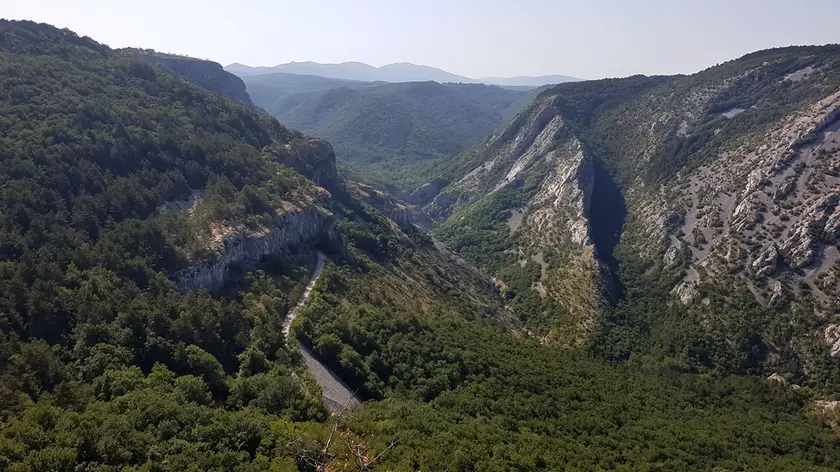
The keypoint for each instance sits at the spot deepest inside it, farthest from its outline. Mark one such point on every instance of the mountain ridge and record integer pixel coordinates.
(395, 72)
(529, 81)
(729, 177)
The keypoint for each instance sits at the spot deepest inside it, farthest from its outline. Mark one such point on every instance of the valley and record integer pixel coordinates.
(678, 206)
(390, 132)
(639, 273)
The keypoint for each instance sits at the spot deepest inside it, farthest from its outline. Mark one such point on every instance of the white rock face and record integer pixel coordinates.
(244, 247)
(832, 337)
(528, 140)
(753, 181)
(832, 225)
(765, 263)
(671, 255)
(767, 206)
(829, 406)
(537, 148)
(686, 291)
(561, 207)
(776, 379)
(778, 292)
(559, 211)
(799, 247)
(743, 216)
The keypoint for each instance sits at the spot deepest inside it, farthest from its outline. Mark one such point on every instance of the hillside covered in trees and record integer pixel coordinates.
(390, 130)
(117, 177)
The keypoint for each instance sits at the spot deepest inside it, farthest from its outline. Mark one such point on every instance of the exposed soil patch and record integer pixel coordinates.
(515, 220)
(732, 113)
(825, 257)
(800, 74)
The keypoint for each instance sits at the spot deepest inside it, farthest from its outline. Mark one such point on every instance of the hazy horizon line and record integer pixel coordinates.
(236, 63)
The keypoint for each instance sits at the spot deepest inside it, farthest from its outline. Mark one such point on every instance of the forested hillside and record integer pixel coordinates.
(153, 236)
(394, 130)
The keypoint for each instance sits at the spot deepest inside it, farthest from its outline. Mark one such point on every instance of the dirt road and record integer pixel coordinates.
(336, 392)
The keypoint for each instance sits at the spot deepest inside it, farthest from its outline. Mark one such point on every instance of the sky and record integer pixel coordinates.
(475, 38)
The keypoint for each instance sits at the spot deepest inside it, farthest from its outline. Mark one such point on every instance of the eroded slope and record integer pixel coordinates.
(729, 180)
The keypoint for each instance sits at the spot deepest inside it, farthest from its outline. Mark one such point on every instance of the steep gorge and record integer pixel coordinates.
(105, 364)
(569, 214)
(715, 188)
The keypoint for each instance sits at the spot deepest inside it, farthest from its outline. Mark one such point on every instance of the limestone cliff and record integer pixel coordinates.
(538, 159)
(305, 220)
(241, 246)
(205, 74)
(728, 179)
(313, 158)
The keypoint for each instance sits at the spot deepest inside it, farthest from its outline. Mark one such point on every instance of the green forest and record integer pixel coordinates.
(393, 132)
(105, 365)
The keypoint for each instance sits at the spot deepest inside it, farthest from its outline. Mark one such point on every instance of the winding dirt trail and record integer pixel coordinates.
(336, 393)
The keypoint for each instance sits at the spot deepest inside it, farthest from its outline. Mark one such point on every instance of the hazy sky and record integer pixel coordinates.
(475, 38)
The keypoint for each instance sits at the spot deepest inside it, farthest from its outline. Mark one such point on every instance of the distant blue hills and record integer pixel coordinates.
(397, 72)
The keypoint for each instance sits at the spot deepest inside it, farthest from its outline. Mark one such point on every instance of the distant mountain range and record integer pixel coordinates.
(398, 72)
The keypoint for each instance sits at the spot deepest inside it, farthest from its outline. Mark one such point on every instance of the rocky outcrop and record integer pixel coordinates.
(778, 293)
(831, 231)
(441, 206)
(776, 379)
(244, 247)
(784, 189)
(765, 263)
(526, 142)
(832, 337)
(427, 192)
(314, 158)
(812, 227)
(799, 248)
(671, 256)
(206, 74)
(560, 210)
(686, 291)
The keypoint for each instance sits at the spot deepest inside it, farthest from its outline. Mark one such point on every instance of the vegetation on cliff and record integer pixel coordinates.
(650, 135)
(116, 174)
(95, 335)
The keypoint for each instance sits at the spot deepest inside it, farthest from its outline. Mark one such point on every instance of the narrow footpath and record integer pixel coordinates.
(336, 393)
